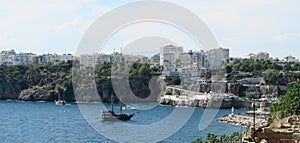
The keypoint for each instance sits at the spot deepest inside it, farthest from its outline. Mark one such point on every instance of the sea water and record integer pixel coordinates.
(31, 122)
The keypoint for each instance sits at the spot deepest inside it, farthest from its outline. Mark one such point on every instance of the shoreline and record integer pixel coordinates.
(162, 104)
(243, 120)
(237, 104)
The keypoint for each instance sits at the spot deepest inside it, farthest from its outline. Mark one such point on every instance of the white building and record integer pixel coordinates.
(30, 58)
(66, 57)
(251, 56)
(104, 58)
(263, 56)
(19, 59)
(135, 58)
(6, 57)
(155, 60)
(2, 59)
(88, 60)
(259, 56)
(290, 59)
(169, 55)
(117, 57)
(217, 58)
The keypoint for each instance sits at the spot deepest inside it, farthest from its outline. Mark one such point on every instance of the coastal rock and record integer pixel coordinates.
(37, 93)
(9, 89)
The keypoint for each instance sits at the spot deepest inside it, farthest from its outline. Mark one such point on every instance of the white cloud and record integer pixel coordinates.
(287, 36)
(230, 39)
(260, 25)
(40, 24)
(79, 25)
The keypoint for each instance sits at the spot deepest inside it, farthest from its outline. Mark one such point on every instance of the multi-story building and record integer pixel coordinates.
(259, 56)
(217, 58)
(38, 60)
(251, 56)
(135, 58)
(19, 59)
(45, 58)
(199, 63)
(30, 58)
(263, 56)
(6, 57)
(11, 58)
(290, 59)
(88, 60)
(117, 57)
(155, 60)
(104, 58)
(170, 58)
(66, 57)
(169, 55)
(200, 59)
(2, 59)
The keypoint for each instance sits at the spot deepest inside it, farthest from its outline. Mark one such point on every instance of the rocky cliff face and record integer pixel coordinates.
(9, 89)
(39, 93)
(134, 89)
(239, 89)
(48, 92)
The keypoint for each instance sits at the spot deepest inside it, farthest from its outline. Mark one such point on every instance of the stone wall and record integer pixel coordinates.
(275, 137)
(241, 90)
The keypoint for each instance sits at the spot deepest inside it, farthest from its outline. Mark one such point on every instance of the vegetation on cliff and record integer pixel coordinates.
(106, 70)
(289, 104)
(252, 65)
(14, 79)
(273, 72)
(51, 81)
(212, 138)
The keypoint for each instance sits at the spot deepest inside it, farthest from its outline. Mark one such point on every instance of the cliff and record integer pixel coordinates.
(9, 89)
(34, 82)
(286, 130)
(239, 89)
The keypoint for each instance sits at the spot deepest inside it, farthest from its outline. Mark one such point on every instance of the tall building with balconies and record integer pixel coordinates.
(155, 60)
(169, 55)
(263, 56)
(259, 56)
(217, 58)
(89, 60)
(66, 57)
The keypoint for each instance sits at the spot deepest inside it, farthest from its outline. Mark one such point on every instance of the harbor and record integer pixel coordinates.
(179, 97)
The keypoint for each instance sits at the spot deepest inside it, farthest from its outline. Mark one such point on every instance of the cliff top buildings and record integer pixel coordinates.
(259, 56)
(11, 58)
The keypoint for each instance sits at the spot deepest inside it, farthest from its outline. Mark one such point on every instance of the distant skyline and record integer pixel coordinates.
(247, 26)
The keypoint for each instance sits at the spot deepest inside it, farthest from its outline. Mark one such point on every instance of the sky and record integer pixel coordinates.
(243, 26)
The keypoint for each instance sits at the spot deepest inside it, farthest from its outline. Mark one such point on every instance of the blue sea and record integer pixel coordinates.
(36, 122)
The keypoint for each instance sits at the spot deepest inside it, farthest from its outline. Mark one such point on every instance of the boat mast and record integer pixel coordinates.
(112, 103)
(120, 105)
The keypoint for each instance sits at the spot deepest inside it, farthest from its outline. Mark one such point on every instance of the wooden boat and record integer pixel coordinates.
(110, 115)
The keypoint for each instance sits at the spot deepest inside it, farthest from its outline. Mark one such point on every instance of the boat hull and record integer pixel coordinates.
(111, 116)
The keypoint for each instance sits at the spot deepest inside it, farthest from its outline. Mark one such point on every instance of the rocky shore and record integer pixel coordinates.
(243, 120)
(286, 130)
(208, 103)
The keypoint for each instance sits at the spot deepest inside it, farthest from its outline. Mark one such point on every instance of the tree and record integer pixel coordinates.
(229, 69)
(289, 104)
(252, 95)
(144, 71)
(212, 138)
(271, 76)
